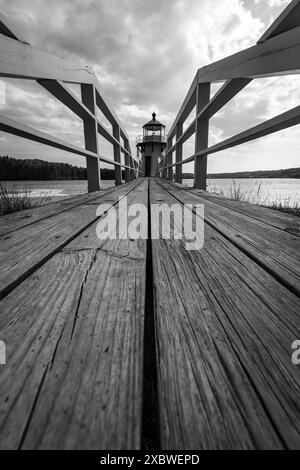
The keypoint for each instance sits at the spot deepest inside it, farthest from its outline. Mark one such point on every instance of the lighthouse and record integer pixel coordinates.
(151, 145)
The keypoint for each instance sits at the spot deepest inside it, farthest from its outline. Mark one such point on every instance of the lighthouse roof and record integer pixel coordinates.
(154, 122)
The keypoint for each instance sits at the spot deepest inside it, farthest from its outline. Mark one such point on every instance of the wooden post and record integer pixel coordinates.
(132, 173)
(178, 173)
(169, 159)
(91, 138)
(201, 136)
(164, 169)
(127, 162)
(135, 166)
(170, 170)
(117, 155)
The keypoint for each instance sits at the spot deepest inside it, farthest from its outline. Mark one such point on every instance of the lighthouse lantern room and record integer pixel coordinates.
(151, 145)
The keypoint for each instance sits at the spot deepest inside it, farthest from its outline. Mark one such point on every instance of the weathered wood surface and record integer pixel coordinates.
(72, 317)
(16, 220)
(286, 222)
(27, 132)
(275, 56)
(20, 60)
(25, 249)
(74, 336)
(224, 330)
(289, 18)
(276, 250)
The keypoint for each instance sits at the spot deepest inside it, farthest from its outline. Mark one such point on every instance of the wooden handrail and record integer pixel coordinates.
(277, 53)
(283, 121)
(21, 60)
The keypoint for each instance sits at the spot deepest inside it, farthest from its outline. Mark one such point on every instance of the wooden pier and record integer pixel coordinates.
(141, 343)
(73, 318)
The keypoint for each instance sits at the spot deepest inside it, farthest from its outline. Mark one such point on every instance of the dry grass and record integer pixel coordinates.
(286, 205)
(13, 199)
(254, 195)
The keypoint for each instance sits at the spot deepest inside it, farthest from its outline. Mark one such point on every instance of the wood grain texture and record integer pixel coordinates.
(274, 57)
(22, 251)
(286, 222)
(287, 20)
(274, 249)
(74, 331)
(20, 59)
(14, 221)
(27, 132)
(224, 331)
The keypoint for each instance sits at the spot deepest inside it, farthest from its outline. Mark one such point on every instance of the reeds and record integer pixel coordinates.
(255, 195)
(286, 205)
(13, 199)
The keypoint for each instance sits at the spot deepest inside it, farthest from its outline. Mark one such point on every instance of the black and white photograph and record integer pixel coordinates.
(149, 228)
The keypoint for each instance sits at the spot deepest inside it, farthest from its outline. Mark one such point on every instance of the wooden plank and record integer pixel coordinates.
(201, 136)
(283, 121)
(133, 170)
(289, 19)
(275, 250)
(91, 138)
(106, 109)
(283, 221)
(65, 96)
(20, 60)
(224, 332)
(15, 220)
(169, 159)
(106, 134)
(7, 30)
(230, 89)
(188, 132)
(274, 57)
(127, 162)
(117, 156)
(178, 157)
(23, 251)
(87, 240)
(186, 107)
(39, 65)
(76, 348)
(27, 132)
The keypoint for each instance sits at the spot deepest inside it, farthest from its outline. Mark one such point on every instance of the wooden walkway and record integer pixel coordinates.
(78, 317)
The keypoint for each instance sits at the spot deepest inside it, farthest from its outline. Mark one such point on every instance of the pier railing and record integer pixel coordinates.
(20, 60)
(143, 139)
(276, 53)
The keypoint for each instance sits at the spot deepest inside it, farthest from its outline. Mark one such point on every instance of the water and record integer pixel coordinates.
(258, 191)
(53, 190)
(261, 191)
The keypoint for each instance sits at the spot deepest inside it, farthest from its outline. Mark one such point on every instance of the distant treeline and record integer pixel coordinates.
(289, 173)
(12, 169)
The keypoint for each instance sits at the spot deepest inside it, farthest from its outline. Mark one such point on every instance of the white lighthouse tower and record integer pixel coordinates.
(151, 145)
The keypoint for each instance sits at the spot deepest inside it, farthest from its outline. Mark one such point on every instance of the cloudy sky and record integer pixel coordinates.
(145, 54)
